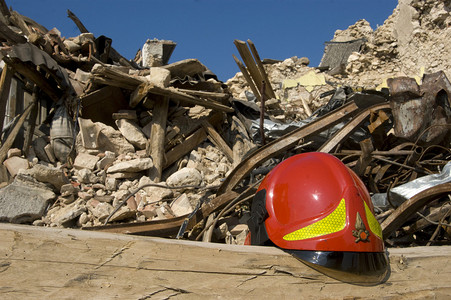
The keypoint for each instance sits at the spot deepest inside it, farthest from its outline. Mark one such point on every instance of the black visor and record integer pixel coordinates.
(361, 268)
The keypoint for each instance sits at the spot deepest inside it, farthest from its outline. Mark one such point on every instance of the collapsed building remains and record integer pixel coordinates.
(95, 141)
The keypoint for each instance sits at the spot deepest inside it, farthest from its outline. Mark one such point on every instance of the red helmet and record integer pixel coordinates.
(314, 207)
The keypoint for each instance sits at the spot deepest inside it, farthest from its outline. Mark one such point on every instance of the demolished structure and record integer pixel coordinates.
(95, 141)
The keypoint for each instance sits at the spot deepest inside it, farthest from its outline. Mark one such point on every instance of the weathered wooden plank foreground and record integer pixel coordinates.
(48, 263)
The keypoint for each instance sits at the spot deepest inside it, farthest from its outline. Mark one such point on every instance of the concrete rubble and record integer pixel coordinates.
(137, 157)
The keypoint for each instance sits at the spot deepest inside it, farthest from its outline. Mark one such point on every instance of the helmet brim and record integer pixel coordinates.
(360, 268)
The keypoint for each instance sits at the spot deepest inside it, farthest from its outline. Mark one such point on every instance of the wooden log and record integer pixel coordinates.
(157, 139)
(217, 139)
(5, 86)
(12, 136)
(54, 263)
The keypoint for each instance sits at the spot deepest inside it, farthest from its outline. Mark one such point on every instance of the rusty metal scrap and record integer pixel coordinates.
(421, 113)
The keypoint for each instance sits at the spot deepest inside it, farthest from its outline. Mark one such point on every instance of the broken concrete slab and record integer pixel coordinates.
(181, 206)
(109, 139)
(86, 161)
(23, 203)
(68, 214)
(131, 166)
(49, 174)
(132, 132)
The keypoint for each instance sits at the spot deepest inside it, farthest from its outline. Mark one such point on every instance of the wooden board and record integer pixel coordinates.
(52, 263)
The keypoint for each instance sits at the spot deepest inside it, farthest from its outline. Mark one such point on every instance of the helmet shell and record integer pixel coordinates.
(315, 202)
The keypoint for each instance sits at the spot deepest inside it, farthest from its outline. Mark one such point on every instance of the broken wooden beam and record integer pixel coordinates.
(33, 75)
(268, 88)
(185, 147)
(284, 143)
(175, 95)
(157, 138)
(248, 78)
(86, 264)
(11, 36)
(102, 74)
(5, 86)
(12, 135)
(217, 140)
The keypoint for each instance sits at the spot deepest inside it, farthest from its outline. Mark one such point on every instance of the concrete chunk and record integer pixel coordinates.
(85, 161)
(130, 166)
(132, 133)
(22, 203)
(14, 164)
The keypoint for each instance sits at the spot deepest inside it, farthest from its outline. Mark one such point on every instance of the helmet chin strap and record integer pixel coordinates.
(256, 223)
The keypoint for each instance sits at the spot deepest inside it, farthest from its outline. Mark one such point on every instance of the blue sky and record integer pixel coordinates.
(205, 29)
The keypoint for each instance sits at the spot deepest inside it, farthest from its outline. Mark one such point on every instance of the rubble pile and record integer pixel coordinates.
(141, 146)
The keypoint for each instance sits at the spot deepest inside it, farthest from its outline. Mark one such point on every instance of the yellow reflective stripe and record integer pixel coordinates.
(375, 227)
(334, 222)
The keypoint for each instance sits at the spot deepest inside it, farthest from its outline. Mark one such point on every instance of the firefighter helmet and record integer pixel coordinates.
(317, 209)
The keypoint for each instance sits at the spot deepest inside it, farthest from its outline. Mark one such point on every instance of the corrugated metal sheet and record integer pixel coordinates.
(29, 52)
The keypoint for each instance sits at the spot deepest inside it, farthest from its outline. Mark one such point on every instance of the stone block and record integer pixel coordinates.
(48, 174)
(23, 203)
(14, 152)
(185, 176)
(181, 206)
(131, 166)
(85, 161)
(14, 164)
(132, 133)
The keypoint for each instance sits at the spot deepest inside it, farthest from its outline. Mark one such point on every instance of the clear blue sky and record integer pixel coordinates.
(205, 29)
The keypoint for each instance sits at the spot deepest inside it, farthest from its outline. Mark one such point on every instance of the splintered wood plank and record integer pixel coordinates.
(268, 88)
(5, 86)
(247, 77)
(186, 147)
(55, 263)
(249, 62)
(217, 139)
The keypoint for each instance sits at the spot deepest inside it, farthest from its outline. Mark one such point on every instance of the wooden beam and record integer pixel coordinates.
(89, 264)
(248, 78)
(175, 94)
(186, 147)
(77, 22)
(268, 88)
(249, 62)
(5, 86)
(31, 122)
(157, 138)
(217, 139)
(12, 136)
(9, 35)
(33, 75)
